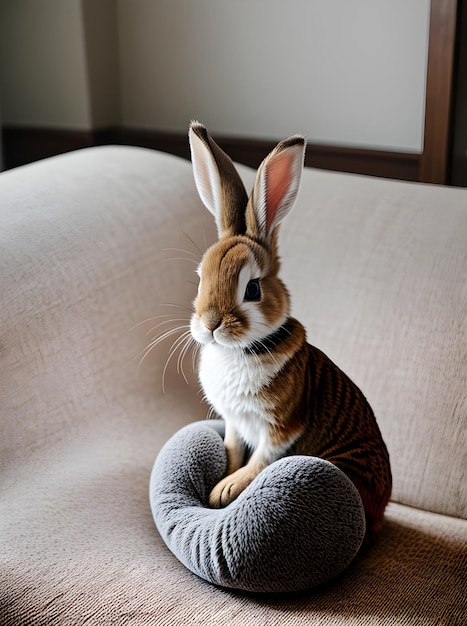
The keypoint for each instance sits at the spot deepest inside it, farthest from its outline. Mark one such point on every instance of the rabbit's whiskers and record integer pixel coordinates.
(181, 258)
(177, 306)
(182, 343)
(190, 256)
(167, 321)
(193, 243)
(149, 319)
(212, 415)
(157, 340)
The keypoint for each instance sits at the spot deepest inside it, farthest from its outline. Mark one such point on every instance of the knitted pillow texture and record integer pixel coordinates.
(297, 525)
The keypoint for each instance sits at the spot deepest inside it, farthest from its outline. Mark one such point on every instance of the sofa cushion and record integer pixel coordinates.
(377, 271)
(83, 268)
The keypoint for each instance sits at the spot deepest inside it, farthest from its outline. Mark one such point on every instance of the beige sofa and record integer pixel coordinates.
(94, 245)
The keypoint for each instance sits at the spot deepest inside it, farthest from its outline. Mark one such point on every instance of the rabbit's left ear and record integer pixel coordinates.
(276, 187)
(219, 185)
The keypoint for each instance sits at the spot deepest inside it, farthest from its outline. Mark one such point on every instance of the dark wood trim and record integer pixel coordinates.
(434, 164)
(400, 165)
(24, 145)
(174, 143)
(459, 132)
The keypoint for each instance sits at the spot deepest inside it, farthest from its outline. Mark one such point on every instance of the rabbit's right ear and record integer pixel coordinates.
(218, 182)
(276, 188)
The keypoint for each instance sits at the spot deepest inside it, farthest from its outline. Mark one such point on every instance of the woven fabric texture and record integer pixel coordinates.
(94, 247)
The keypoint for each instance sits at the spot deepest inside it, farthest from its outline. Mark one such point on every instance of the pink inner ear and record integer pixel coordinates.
(278, 179)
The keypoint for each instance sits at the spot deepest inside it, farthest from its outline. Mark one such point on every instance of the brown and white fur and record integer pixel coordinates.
(277, 394)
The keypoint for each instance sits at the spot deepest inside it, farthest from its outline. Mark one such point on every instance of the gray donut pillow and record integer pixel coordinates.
(298, 524)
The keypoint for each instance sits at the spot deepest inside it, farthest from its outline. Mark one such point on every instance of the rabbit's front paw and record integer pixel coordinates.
(231, 487)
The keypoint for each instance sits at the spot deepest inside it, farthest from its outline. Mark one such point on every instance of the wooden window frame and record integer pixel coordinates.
(435, 159)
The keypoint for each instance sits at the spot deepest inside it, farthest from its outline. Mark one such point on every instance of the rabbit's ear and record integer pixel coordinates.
(218, 182)
(276, 187)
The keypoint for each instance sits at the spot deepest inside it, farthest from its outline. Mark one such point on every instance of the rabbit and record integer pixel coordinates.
(277, 394)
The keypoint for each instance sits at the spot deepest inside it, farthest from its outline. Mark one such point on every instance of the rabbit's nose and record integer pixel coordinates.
(212, 321)
(212, 327)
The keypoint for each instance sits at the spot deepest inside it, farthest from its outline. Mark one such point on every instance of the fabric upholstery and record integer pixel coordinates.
(91, 251)
(377, 273)
(299, 524)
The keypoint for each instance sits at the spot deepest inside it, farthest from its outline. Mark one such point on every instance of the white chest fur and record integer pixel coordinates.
(232, 381)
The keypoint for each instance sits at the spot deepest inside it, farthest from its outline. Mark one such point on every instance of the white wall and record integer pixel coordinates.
(348, 72)
(101, 38)
(59, 63)
(43, 75)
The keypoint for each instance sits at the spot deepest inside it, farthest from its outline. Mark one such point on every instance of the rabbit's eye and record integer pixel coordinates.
(253, 290)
